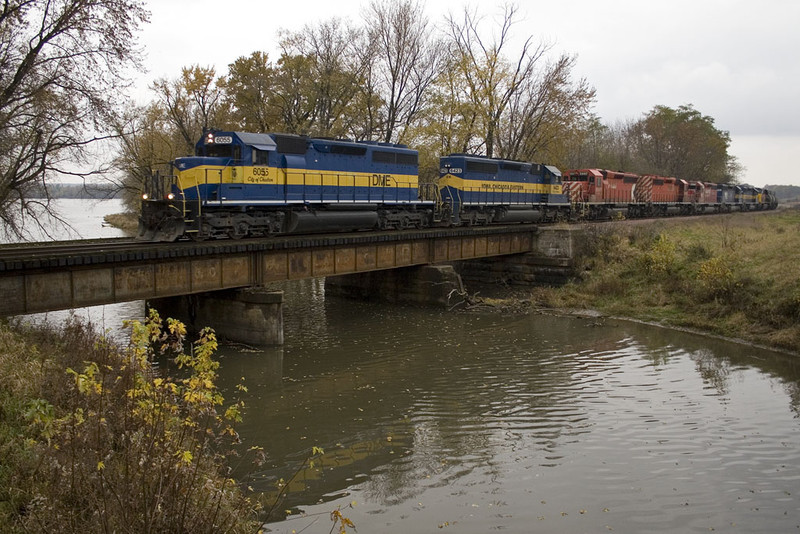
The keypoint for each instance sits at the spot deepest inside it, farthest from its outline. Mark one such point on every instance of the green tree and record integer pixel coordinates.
(320, 73)
(294, 95)
(193, 102)
(250, 90)
(684, 143)
(61, 77)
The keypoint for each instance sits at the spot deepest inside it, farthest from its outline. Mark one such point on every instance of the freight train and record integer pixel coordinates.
(240, 184)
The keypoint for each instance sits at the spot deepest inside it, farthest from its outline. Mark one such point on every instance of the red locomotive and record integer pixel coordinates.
(602, 194)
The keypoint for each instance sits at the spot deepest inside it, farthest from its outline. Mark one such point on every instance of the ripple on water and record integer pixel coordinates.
(499, 424)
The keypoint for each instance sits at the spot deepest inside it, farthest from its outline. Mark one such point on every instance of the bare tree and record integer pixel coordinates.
(319, 75)
(542, 118)
(61, 76)
(148, 142)
(406, 61)
(152, 136)
(491, 80)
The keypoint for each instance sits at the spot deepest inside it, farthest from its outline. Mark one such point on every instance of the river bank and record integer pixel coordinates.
(734, 276)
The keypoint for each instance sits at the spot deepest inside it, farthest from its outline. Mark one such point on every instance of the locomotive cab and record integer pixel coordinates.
(583, 185)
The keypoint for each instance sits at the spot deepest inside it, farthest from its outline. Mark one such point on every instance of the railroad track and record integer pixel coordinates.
(57, 247)
(52, 255)
(16, 256)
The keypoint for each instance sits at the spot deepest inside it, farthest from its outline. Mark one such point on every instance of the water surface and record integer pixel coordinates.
(477, 422)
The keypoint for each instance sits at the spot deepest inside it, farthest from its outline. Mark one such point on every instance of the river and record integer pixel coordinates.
(478, 421)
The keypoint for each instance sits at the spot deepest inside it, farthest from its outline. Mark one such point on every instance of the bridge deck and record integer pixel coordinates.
(53, 276)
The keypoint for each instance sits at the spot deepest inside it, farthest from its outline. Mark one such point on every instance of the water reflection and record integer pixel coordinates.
(497, 421)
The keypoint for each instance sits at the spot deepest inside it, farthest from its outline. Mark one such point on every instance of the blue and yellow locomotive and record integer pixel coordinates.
(479, 190)
(245, 184)
(242, 184)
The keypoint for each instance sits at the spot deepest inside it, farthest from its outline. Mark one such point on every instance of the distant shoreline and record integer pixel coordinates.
(79, 191)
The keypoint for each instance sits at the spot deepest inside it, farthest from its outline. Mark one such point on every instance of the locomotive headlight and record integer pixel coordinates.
(171, 196)
(210, 138)
(145, 196)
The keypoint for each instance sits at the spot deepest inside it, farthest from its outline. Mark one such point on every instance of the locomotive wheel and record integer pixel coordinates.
(201, 235)
(240, 229)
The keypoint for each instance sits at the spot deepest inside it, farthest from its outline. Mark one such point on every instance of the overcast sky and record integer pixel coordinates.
(735, 60)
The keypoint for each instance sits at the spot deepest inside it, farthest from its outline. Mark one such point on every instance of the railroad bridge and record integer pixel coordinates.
(220, 283)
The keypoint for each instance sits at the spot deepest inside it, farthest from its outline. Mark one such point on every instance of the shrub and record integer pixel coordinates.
(698, 252)
(660, 259)
(716, 278)
(787, 309)
(121, 449)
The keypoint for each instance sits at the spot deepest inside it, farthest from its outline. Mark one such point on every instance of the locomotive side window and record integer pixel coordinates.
(260, 157)
(379, 156)
(511, 166)
(482, 166)
(288, 144)
(408, 159)
(382, 156)
(348, 150)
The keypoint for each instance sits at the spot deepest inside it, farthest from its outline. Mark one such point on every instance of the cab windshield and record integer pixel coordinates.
(220, 151)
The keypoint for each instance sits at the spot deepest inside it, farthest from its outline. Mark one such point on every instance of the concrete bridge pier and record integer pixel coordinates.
(551, 261)
(253, 316)
(436, 285)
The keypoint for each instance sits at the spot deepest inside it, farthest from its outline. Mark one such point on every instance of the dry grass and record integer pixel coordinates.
(735, 275)
(127, 222)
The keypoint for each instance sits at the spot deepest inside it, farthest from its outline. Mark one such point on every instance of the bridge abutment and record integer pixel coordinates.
(551, 262)
(437, 285)
(252, 316)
